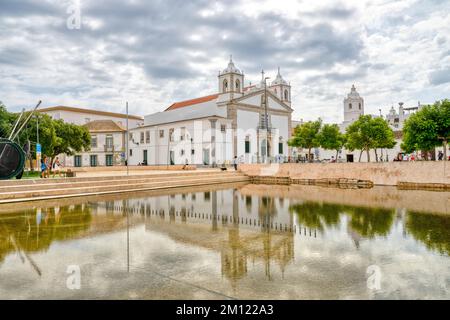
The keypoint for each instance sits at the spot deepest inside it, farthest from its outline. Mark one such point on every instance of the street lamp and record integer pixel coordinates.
(266, 117)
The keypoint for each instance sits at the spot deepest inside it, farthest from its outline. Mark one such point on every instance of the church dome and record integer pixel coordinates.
(231, 68)
(279, 79)
(353, 93)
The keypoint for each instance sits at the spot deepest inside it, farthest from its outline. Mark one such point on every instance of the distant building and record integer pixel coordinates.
(82, 116)
(107, 129)
(397, 118)
(354, 108)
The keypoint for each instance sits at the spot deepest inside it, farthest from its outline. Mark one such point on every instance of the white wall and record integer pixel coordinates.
(247, 122)
(197, 130)
(281, 123)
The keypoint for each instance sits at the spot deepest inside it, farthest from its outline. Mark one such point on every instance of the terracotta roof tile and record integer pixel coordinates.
(104, 126)
(191, 102)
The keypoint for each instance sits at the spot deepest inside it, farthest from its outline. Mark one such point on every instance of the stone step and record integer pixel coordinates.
(22, 182)
(111, 182)
(120, 185)
(97, 190)
(63, 183)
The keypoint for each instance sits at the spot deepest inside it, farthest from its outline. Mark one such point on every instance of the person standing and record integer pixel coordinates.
(43, 168)
(235, 161)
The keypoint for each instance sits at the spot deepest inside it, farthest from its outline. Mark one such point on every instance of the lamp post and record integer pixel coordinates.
(266, 117)
(126, 143)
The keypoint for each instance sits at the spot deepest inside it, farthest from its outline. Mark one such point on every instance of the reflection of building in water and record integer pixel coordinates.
(241, 228)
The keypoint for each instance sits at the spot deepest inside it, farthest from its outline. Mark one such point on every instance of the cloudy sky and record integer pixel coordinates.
(153, 53)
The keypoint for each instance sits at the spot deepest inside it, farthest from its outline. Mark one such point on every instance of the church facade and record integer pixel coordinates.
(251, 123)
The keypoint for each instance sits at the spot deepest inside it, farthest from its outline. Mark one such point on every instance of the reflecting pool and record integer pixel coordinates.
(238, 241)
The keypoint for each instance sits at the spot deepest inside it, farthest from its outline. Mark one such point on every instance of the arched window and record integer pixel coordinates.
(238, 85)
(350, 106)
(286, 95)
(360, 106)
(225, 85)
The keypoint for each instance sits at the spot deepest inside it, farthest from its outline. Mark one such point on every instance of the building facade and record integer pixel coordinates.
(108, 134)
(251, 123)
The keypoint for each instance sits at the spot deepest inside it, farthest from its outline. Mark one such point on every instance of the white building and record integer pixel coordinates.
(252, 123)
(82, 116)
(107, 129)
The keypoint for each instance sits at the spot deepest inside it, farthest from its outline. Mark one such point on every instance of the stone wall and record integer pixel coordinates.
(386, 173)
(134, 168)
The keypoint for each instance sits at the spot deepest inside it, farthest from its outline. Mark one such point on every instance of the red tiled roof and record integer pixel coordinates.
(190, 102)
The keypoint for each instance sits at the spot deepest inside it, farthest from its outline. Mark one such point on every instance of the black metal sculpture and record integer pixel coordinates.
(12, 159)
(12, 156)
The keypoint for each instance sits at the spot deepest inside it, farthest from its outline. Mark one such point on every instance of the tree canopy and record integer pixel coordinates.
(55, 136)
(306, 135)
(428, 128)
(331, 138)
(368, 133)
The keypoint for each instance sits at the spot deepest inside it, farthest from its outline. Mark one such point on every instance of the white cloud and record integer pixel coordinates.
(152, 53)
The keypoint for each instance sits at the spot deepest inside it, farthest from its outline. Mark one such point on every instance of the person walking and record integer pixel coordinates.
(235, 163)
(43, 168)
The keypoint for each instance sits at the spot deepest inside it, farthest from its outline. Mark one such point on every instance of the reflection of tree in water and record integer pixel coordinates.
(432, 230)
(24, 231)
(315, 215)
(368, 222)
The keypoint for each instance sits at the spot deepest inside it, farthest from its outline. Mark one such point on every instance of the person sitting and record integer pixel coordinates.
(57, 167)
(185, 166)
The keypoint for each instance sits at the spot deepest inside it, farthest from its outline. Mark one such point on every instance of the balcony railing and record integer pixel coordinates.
(109, 148)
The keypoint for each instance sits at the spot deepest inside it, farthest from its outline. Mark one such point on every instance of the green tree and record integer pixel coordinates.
(55, 136)
(428, 128)
(47, 133)
(306, 136)
(384, 135)
(6, 121)
(331, 138)
(368, 133)
(70, 139)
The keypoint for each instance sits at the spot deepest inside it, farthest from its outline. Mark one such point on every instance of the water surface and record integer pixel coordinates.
(243, 242)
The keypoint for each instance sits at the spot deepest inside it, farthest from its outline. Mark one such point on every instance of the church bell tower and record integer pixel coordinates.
(231, 83)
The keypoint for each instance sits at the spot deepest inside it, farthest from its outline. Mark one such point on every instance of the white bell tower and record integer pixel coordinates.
(353, 106)
(281, 89)
(231, 83)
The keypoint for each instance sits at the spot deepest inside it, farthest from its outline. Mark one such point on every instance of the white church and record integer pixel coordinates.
(250, 123)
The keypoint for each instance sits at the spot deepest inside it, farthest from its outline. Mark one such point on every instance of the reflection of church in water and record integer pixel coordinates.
(243, 228)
